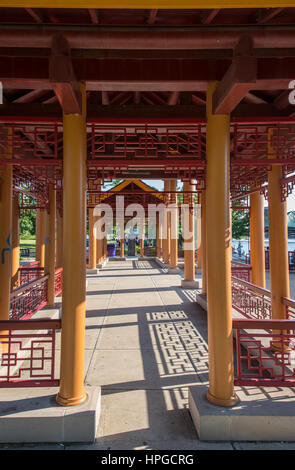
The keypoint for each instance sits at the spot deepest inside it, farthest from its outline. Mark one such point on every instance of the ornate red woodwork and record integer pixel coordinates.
(264, 353)
(28, 359)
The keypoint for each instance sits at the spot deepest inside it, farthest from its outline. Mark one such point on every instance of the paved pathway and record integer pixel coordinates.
(145, 345)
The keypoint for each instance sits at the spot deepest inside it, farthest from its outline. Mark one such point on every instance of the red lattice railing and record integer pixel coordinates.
(241, 271)
(290, 308)
(58, 281)
(32, 296)
(265, 353)
(28, 274)
(28, 353)
(250, 300)
(28, 299)
(255, 302)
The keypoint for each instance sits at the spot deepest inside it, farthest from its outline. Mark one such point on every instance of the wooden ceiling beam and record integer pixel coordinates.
(238, 80)
(62, 77)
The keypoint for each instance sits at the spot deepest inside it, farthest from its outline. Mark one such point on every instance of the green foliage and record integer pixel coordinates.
(240, 225)
(28, 225)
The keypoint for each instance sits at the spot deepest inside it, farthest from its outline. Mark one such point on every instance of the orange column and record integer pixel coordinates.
(99, 249)
(92, 256)
(198, 233)
(46, 240)
(59, 239)
(42, 230)
(218, 237)
(105, 247)
(166, 228)
(37, 232)
(51, 245)
(189, 252)
(5, 236)
(99, 241)
(142, 233)
(173, 227)
(257, 256)
(203, 242)
(159, 235)
(74, 264)
(15, 244)
(122, 254)
(278, 239)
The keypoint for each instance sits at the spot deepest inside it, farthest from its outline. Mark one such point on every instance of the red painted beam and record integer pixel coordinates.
(264, 162)
(180, 162)
(235, 85)
(132, 114)
(136, 75)
(62, 76)
(164, 39)
(238, 80)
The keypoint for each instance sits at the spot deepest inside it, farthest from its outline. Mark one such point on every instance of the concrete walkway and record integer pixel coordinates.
(144, 356)
(145, 345)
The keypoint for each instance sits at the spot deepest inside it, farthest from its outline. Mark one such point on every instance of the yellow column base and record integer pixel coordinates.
(232, 401)
(71, 401)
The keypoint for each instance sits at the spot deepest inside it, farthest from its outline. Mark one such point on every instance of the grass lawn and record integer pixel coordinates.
(31, 244)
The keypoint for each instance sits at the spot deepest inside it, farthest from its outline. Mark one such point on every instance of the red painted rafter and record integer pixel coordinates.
(93, 15)
(198, 100)
(169, 18)
(137, 97)
(251, 98)
(156, 98)
(120, 98)
(152, 16)
(268, 14)
(209, 17)
(105, 98)
(31, 96)
(173, 98)
(37, 15)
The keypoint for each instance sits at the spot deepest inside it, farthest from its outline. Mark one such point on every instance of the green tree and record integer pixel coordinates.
(28, 224)
(240, 225)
